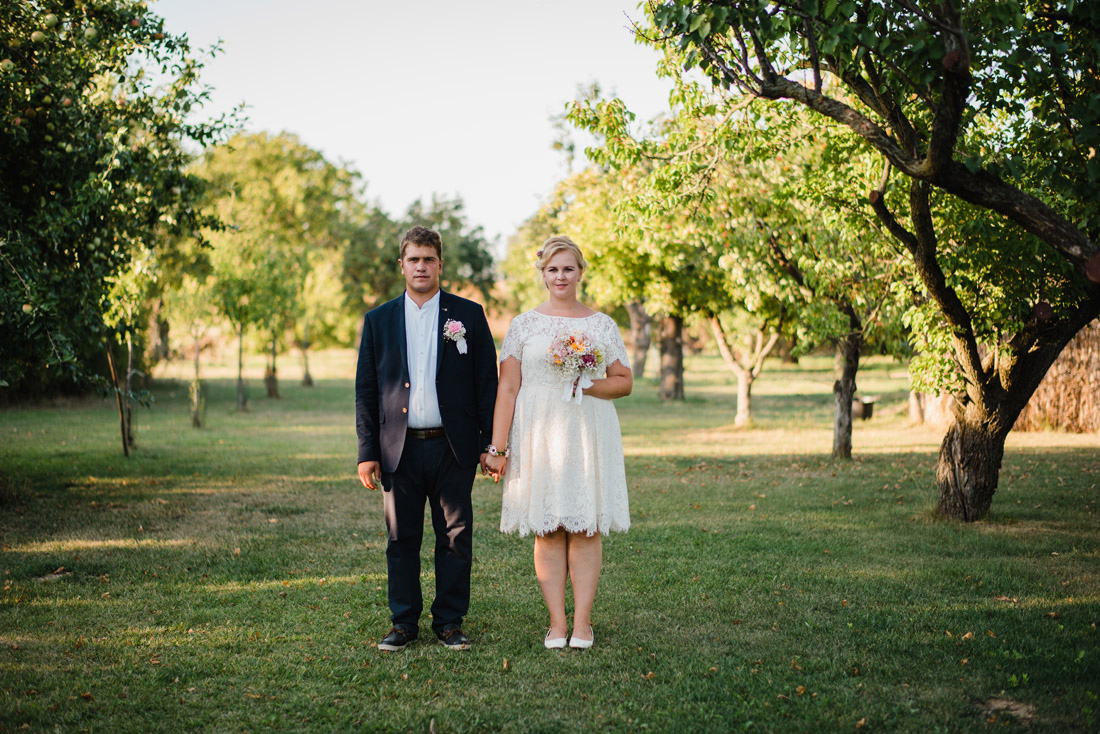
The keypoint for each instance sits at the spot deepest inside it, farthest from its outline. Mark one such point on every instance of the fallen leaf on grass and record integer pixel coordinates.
(861, 723)
(1053, 615)
(1005, 598)
(87, 695)
(801, 690)
(968, 636)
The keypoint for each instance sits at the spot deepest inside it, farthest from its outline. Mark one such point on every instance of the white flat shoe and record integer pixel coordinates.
(578, 644)
(555, 644)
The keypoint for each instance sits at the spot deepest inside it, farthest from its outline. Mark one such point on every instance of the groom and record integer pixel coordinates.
(424, 393)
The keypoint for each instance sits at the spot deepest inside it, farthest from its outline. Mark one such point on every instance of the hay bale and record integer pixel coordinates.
(1068, 398)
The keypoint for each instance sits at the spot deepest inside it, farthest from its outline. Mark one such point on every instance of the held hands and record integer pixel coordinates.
(369, 473)
(494, 466)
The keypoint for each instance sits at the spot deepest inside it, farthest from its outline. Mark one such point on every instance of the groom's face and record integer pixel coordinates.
(421, 267)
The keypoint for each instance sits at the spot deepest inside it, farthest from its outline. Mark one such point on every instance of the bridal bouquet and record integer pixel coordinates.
(576, 358)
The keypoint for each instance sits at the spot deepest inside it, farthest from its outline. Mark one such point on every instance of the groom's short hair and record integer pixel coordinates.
(423, 237)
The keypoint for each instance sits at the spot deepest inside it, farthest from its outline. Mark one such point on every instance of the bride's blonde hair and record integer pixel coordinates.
(557, 244)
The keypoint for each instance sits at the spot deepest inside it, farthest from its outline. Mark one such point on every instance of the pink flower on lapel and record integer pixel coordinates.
(456, 332)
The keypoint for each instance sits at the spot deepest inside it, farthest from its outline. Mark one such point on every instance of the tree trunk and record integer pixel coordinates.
(130, 390)
(847, 364)
(916, 408)
(196, 392)
(744, 398)
(271, 379)
(242, 400)
(970, 465)
(742, 368)
(161, 331)
(118, 396)
(672, 358)
(640, 331)
(307, 379)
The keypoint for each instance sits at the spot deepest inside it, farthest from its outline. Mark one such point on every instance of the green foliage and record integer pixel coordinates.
(995, 104)
(288, 212)
(94, 99)
(735, 198)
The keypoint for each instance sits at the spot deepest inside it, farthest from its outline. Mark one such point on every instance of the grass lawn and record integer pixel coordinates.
(232, 578)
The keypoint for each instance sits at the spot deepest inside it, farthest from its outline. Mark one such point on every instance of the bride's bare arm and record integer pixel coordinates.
(505, 408)
(618, 383)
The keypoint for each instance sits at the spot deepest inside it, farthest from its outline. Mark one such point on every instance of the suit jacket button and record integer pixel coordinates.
(406, 384)
(404, 410)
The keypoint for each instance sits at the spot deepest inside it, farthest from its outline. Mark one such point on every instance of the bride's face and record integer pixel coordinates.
(561, 274)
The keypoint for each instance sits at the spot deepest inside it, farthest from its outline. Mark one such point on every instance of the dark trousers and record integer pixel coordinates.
(428, 471)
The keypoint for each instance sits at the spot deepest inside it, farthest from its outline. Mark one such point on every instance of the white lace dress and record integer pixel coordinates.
(565, 469)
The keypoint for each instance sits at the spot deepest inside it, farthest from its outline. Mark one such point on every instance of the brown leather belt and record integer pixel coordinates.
(423, 433)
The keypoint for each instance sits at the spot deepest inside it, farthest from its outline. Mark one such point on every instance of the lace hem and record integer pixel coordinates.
(569, 525)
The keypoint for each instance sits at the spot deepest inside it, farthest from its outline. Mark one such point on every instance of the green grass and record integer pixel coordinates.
(232, 578)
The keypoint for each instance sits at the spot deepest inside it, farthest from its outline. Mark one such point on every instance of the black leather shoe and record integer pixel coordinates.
(454, 639)
(396, 639)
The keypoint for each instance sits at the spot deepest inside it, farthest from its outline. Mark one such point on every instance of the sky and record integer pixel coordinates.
(448, 97)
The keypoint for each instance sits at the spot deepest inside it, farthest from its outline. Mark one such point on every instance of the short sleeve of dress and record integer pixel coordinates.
(513, 340)
(616, 349)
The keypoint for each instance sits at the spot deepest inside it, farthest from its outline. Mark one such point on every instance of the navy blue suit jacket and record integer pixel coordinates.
(466, 384)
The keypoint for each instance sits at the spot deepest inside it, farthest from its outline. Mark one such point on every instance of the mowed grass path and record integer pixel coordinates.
(232, 578)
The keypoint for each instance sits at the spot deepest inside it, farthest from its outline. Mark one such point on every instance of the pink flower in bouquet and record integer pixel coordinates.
(577, 359)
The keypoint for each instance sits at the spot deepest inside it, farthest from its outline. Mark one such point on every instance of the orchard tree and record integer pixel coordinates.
(749, 185)
(990, 109)
(129, 290)
(94, 133)
(283, 204)
(190, 307)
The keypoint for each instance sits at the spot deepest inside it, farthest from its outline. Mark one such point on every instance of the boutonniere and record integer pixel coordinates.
(456, 332)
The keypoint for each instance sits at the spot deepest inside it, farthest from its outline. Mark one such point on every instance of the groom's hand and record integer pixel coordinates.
(369, 471)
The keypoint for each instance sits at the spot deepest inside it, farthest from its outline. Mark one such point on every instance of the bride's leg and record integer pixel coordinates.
(550, 568)
(585, 558)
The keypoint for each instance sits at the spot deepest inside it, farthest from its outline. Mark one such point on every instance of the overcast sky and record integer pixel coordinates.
(440, 96)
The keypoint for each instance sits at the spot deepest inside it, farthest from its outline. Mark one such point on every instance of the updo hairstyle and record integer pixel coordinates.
(554, 245)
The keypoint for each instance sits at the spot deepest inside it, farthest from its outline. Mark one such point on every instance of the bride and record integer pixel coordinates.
(556, 438)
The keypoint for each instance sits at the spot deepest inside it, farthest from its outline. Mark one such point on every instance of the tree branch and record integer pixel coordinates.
(966, 346)
(981, 188)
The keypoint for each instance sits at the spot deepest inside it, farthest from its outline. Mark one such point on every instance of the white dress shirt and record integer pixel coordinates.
(421, 340)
